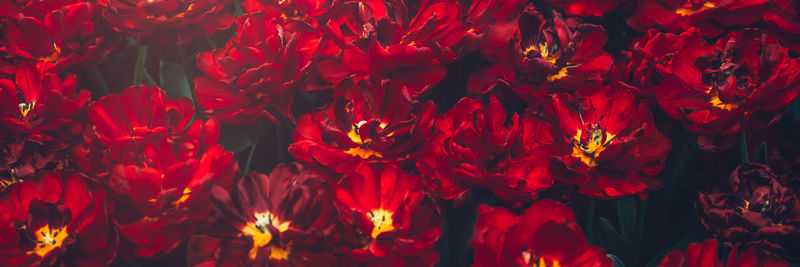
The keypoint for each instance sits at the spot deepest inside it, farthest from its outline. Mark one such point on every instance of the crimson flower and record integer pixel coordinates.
(168, 22)
(711, 17)
(490, 24)
(260, 67)
(159, 164)
(56, 219)
(410, 52)
(705, 255)
(394, 220)
(783, 20)
(545, 54)
(464, 147)
(612, 147)
(65, 33)
(744, 80)
(40, 115)
(305, 10)
(47, 103)
(371, 120)
(284, 219)
(587, 7)
(759, 209)
(647, 53)
(546, 234)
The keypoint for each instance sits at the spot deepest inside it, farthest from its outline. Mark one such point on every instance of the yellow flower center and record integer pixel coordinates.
(382, 221)
(717, 102)
(261, 235)
(543, 51)
(532, 262)
(588, 151)
(48, 239)
(689, 10)
(52, 57)
(362, 151)
(25, 108)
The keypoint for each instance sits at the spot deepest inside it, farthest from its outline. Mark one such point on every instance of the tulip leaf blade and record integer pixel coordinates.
(626, 214)
(761, 156)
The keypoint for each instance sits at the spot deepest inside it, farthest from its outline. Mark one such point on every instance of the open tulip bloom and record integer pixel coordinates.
(402, 133)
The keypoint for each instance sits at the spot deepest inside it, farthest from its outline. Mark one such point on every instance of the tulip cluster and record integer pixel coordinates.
(401, 113)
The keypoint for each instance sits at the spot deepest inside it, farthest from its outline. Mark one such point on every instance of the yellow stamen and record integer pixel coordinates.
(717, 102)
(382, 220)
(362, 151)
(261, 235)
(561, 74)
(276, 253)
(688, 11)
(48, 239)
(26, 108)
(543, 50)
(587, 152)
(52, 57)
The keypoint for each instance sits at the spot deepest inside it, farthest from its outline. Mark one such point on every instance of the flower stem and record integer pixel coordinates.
(138, 71)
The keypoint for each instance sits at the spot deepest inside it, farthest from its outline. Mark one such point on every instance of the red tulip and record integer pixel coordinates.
(40, 116)
(546, 234)
(745, 80)
(284, 219)
(545, 55)
(613, 149)
(783, 20)
(705, 255)
(166, 21)
(393, 219)
(262, 66)
(760, 209)
(369, 121)
(709, 16)
(56, 219)
(65, 33)
(587, 7)
(409, 52)
(159, 164)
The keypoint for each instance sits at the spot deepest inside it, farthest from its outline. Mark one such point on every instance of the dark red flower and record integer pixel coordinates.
(168, 22)
(40, 116)
(160, 165)
(284, 219)
(705, 255)
(613, 149)
(759, 209)
(465, 146)
(305, 10)
(410, 52)
(554, 53)
(546, 234)
(587, 7)
(472, 147)
(639, 66)
(491, 24)
(743, 81)
(262, 66)
(56, 219)
(37, 101)
(369, 121)
(392, 217)
(783, 20)
(709, 16)
(65, 33)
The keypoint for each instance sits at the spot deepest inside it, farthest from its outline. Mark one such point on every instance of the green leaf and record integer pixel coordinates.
(174, 80)
(761, 156)
(616, 260)
(138, 70)
(743, 148)
(626, 213)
